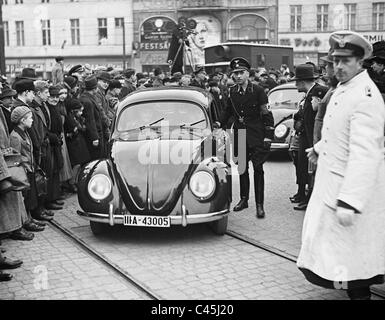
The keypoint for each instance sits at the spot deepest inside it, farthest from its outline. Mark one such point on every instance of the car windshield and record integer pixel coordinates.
(182, 114)
(285, 99)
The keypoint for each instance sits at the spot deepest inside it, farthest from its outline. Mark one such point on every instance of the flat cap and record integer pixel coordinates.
(347, 43)
(18, 113)
(90, 82)
(103, 75)
(239, 64)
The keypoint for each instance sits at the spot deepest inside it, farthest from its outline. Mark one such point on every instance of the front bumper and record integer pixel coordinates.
(279, 146)
(183, 219)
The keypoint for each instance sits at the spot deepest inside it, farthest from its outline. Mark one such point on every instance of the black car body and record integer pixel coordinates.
(283, 101)
(167, 164)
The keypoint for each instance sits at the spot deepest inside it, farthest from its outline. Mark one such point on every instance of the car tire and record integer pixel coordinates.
(219, 227)
(98, 228)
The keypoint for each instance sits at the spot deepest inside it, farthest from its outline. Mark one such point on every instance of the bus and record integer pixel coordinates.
(218, 57)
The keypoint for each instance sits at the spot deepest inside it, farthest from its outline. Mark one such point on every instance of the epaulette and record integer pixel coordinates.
(368, 91)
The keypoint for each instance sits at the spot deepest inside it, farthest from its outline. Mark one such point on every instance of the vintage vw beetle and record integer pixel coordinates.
(283, 101)
(167, 164)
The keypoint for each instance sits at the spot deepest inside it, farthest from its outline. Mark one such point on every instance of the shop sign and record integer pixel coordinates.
(156, 34)
(319, 42)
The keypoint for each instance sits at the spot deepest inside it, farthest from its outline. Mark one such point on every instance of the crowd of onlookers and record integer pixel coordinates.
(51, 128)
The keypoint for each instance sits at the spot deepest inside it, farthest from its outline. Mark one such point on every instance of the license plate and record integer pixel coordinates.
(146, 221)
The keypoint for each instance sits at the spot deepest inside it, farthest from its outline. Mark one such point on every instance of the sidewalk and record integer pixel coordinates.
(56, 268)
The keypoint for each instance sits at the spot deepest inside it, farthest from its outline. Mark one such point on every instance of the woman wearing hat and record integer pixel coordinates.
(66, 171)
(74, 128)
(22, 143)
(12, 210)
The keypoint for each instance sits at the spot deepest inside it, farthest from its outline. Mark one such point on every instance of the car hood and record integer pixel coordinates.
(280, 114)
(151, 174)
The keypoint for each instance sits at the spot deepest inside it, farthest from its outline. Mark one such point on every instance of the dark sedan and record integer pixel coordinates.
(283, 100)
(167, 164)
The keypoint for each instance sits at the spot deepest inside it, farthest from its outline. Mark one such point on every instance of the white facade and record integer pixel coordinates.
(311, 39)
(63, 41)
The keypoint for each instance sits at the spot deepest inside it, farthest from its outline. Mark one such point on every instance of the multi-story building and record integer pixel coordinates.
(82, 31)
(217, 21)
(306, 24)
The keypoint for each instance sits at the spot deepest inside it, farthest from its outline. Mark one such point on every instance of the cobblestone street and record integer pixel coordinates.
(177, 263)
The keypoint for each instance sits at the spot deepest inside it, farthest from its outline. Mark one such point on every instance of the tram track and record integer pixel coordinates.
(282, 254)
(149, 292)
(106, 262)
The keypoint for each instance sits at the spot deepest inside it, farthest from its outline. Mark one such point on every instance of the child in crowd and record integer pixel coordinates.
(21, 142)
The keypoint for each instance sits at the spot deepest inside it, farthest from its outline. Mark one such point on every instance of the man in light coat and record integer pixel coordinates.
(343, 239)
(58, 71)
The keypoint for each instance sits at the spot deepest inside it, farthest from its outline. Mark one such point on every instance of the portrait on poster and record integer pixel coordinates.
(206, 33)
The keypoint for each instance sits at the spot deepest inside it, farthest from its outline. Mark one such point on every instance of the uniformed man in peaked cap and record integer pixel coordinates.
(343, 243)
(248, 106)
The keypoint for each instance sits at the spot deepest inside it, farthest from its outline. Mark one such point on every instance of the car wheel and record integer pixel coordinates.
(98, 228)
(219, 227)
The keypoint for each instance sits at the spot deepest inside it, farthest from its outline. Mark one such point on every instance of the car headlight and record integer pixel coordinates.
(99, 187)
(202, 185)
(280, 131)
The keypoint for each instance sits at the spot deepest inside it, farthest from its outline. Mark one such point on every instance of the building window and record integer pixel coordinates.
(46, 32)
(322, 17)
(295, 18)
(20, 33)
(5, 2)
(248, 27)
(44, 1)
(102, 27)
(119, 22)
(75, 32)
(350, 16)
(6, 33)
(378, 16)
(18, 1)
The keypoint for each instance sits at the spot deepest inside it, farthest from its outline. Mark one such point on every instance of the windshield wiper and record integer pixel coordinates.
(192, 124)
(151, 124)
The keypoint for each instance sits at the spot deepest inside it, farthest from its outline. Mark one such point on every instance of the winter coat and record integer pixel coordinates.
(351, 169)
(74, 129)
(12, 208)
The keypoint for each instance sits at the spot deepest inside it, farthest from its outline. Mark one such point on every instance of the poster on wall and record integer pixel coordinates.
(206, 33)
(155, 37)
